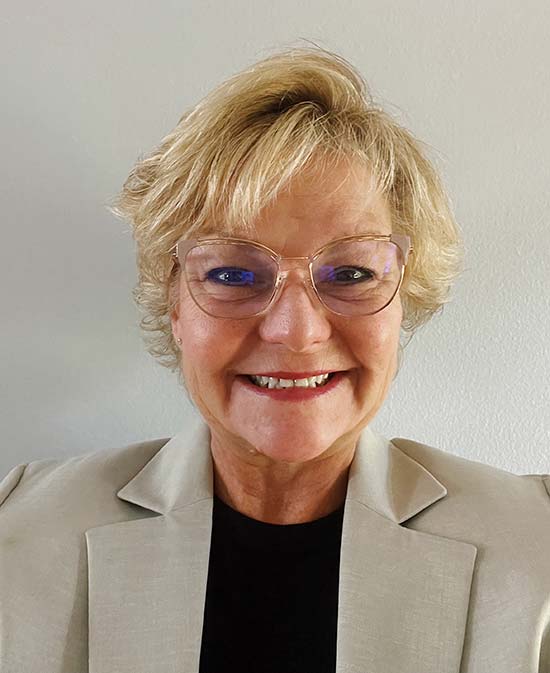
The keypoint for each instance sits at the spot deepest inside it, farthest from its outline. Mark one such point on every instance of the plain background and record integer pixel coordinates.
(87, 87)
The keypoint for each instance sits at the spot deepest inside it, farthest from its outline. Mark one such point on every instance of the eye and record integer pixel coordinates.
(230, 275)
(346, 275)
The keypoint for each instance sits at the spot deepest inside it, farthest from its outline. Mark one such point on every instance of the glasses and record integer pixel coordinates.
(236, 278)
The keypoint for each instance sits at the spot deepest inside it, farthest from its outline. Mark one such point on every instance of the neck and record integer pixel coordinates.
(278, 492)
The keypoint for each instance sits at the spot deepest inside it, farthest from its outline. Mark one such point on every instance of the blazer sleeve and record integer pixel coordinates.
(10, 481)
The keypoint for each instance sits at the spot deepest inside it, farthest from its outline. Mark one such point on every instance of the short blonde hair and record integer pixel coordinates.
(232, 153)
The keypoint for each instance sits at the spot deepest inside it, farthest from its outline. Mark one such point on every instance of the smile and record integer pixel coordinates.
(278, 383)
(302, 389)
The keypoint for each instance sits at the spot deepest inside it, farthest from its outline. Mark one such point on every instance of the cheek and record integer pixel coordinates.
(198, 333)
(376, 340)
(209, 345)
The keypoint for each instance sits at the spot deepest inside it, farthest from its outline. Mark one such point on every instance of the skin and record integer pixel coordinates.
(288, 462)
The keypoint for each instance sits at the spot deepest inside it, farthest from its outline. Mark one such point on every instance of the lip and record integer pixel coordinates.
(294, 394)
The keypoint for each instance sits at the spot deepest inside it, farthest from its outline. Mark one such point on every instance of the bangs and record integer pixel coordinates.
(256, 166)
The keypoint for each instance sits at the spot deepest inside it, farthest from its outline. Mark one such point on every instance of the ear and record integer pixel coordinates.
(174, 317)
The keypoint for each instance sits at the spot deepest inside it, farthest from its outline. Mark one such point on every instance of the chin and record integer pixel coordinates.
(291, 455)
(290, 447)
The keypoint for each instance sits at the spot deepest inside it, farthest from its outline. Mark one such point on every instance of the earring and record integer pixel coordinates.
(179, 341)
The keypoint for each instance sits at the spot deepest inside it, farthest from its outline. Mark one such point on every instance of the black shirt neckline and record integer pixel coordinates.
(251, 532)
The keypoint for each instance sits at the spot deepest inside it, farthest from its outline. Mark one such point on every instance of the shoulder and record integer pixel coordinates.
(483, 501)
(463, 474)
(45, 508)
(84, 485)
(506, 517)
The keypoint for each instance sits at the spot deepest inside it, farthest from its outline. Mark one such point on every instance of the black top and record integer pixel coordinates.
(272, 595)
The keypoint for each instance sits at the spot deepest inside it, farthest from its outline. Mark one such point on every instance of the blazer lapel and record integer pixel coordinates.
(147, 577)
(404, 594)
(403, 598)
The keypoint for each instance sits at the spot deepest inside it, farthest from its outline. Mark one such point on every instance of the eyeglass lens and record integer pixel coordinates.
(237, 280)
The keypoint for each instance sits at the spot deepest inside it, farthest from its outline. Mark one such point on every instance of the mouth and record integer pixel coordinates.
(286, 386)
(272, 382)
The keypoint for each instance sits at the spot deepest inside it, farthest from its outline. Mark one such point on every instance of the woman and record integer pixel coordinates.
(288, 232)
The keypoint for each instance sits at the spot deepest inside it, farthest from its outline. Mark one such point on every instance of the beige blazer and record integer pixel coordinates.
(445, 562)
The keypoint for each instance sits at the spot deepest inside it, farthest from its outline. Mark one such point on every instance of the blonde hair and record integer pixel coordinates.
(232, 153)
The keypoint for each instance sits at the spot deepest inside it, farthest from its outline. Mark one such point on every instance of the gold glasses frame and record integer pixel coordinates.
(182, 248)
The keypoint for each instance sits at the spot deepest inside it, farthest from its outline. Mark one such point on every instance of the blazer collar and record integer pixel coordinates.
(179, 474)
(381, 477)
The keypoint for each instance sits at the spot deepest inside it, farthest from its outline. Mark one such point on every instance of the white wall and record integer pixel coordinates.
(89, 86)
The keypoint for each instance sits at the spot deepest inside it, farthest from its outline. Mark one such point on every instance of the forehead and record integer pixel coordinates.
(320, 205)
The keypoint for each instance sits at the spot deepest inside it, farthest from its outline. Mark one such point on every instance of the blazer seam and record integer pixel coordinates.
(545, 478)
(188, 504)
(2, 502)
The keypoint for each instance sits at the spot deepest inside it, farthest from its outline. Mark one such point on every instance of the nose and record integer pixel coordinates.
(296, 319)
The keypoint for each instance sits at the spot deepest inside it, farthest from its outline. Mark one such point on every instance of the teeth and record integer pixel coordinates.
(271, 382)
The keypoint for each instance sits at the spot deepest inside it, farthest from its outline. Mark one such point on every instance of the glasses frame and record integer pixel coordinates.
(182, 248)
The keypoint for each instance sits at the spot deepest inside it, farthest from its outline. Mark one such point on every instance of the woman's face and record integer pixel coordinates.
(296, 335)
